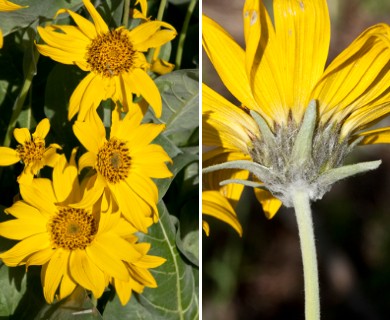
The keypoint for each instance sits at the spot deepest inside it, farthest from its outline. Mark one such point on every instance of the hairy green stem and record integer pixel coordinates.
(183, 33)
(301, 202)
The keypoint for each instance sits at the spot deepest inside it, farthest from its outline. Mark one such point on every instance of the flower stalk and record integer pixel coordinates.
(301, 203)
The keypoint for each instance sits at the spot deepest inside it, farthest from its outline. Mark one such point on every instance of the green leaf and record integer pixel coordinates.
(13, 287)
(176, 296)
(37, 10)
(180, 94)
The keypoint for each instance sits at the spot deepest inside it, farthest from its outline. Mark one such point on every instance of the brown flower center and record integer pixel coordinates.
(113, 160)
(111, 54)
(72, 228)
(31, 151)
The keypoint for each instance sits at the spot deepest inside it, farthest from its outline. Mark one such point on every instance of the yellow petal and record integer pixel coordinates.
(138, 138)
(53, 273)
(100, 25)
(102, 257)
(41, 257)
(145, 86)
(376, 136)
(20, 252)
(66, 287)
(133, 208)
(149, 35)
(88, 159)
(9, 6)
(224, 124)
(90, 134)
(123, 290)
(86, 26)
(42, 129)
(19, 229)
(40, 194)
(215, 205)
(228, 58)
(86, 273)
(206, 228)
(269, 203)
(1, 39)
(303, 34)
(22, 135)
(8, 156)
(356, 79)
(123, 250)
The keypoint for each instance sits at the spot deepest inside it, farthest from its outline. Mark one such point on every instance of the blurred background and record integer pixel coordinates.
(259, 276)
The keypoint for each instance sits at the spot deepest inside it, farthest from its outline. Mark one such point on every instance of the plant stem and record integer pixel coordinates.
(183, 33)
(126, 10)
(159, 17)
(301, 202)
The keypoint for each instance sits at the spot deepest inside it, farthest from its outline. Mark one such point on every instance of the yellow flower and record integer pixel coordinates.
(125, 164)
(114, 59)
(4, 7)
(31, 151)
(75, 246)
(276, 78)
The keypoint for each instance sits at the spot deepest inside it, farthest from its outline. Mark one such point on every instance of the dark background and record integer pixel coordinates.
(259, 276)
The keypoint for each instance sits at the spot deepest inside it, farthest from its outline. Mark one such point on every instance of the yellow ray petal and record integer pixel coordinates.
(100, 25)
(9, 6)
(123, 250)
(86, 26)
(228, 59)
(206, 228)
(376, 136)
(145, 86)
(149, 35)
(66, 287)
(89, 136)
(303, 34)
(262, 61)
(40, 257)
(356, 78)
(53, 273)
(22, 135)
(86, 273)
(42, 129)
(19, 253)
(8, 156)
(224, 124)
(40, 194)
(269, 203)
(107, 261)
(143, 135)
(19, 229)
(215, 205)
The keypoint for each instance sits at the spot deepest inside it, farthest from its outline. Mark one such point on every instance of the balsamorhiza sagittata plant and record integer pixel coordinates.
(89, 245)
(6, 6)
(124, 164)
(297, 120)
(115, 59)
(31, 151)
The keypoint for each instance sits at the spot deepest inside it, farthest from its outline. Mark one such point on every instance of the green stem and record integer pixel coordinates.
(126, 11)
(159, 17)
(301, 202)
(18, 106)
(183, 33)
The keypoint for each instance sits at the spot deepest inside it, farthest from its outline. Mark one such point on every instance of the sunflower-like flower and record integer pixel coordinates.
(296, 122)
(114, 59)
(31, 151)
(6, 6)
(125, 164)
(83, 246)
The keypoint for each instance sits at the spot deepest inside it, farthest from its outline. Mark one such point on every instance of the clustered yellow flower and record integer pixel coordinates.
(81, 228)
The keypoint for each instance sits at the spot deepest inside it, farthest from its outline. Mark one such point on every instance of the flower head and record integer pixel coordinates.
(124, 164)
(31, 151)
(83, 246)
(297, 120)
(6, 6)
(114, 59)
